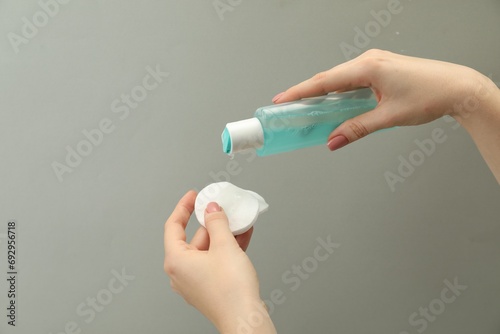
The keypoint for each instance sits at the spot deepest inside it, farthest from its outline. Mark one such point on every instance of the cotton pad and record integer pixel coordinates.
(241, 206)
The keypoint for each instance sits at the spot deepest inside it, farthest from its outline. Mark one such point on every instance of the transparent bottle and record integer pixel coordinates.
(290, 126)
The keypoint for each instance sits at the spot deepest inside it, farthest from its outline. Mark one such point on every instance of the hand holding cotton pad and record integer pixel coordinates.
(241, 206)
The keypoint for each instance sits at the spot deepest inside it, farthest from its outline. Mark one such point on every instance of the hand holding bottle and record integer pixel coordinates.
(411, 91)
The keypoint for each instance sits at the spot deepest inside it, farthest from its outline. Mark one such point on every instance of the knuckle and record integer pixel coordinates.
(375, 60)
(372, 64)
(170, 267)
(319, 79)
(373, 53)
(358, 129)
(215, 217)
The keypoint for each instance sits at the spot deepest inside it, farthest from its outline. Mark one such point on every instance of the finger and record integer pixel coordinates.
(344, 77)
(361, 71)
(244, 239)
(217, 226)
(176, 224)
(359, 127)
(201, 239)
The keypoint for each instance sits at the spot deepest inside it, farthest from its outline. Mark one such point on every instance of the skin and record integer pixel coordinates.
(411, 91)
(214, 274)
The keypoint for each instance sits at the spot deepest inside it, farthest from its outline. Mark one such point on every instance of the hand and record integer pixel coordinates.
(410, 91)
(212, 272)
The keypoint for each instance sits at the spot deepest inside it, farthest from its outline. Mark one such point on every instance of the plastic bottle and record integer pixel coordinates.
(289, 126)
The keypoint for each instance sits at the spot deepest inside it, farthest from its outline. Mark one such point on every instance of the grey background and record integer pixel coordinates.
(397, 248)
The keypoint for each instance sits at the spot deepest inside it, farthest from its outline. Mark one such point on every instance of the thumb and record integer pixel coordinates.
(358, 127)
(217, 225)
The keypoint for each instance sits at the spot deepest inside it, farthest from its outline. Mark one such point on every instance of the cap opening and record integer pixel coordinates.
(226, 141)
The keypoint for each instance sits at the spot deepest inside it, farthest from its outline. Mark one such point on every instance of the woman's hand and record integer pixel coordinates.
(411, 91)
(212, 272)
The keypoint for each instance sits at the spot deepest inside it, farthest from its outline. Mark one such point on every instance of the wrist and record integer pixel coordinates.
(481, 118)
(250, 316)
(478, 99)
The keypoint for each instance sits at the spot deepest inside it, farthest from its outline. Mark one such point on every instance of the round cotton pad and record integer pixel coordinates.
(241, 206)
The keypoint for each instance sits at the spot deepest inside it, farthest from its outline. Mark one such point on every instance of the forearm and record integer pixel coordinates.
(479, 113)
(250, 318)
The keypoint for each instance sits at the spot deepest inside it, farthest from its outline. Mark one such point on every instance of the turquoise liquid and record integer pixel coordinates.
(308, 122)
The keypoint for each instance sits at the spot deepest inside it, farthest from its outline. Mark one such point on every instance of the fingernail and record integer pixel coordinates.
(337, 142)
(277, 97)
(212, 207)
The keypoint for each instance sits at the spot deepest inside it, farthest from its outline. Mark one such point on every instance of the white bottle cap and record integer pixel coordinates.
(242, 135)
